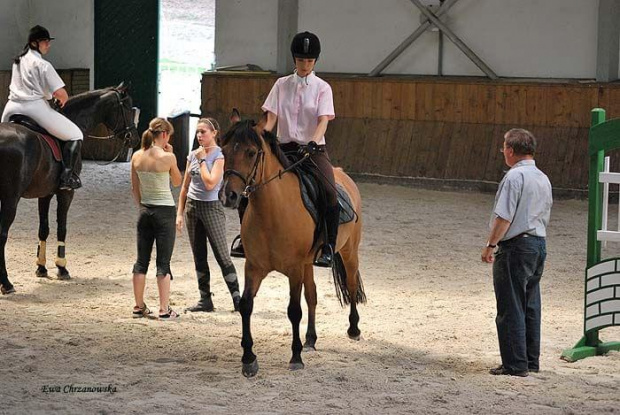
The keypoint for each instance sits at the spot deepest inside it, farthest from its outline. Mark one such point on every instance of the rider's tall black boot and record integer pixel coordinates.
(237, 250)
(70, 155)
(332, 216)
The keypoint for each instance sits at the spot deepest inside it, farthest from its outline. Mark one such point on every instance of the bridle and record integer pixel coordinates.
(126, 129)
(250, 181)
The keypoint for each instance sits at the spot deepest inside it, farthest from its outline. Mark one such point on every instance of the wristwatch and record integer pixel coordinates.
(489, 245)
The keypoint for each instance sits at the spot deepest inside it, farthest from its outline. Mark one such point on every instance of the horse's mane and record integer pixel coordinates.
(85, 99)
(243, 131)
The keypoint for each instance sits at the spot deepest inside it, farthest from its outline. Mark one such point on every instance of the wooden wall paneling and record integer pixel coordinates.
(339, 89)
(536, 104)
(510, 105)
(472, 104)
(457, 153)
(208, 92)
(410, 165)
(479, 142)
(612, 106)
(376, 102)
(495, 161)
(561, 106)
(423, 102)
(364, 99)
(334, 139)
(437, 147)
(355, 152)
(375, 137)
(386, 100)
(571, 162)
(408, 100)
(396, 108)
(446, 102)
(405, 133)
(5, 81)
(391, 147)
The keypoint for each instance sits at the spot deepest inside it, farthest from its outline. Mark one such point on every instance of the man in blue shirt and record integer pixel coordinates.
(517, 249)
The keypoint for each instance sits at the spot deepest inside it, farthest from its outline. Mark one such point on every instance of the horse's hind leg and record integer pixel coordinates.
(44, 231)
(351, 264)
(310, 294)
(7, 216)
(294, 315)
(64, 198)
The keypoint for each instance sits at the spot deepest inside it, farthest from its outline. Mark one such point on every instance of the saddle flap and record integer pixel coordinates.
(42, 133)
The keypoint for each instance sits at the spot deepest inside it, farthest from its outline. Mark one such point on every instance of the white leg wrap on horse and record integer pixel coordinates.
(61, 261)
(41, 253)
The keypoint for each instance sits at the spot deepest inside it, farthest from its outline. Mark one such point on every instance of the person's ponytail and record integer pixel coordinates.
(147, 139)
(18, 58)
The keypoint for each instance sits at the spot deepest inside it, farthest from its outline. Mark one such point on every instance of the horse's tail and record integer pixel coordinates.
(340, 281)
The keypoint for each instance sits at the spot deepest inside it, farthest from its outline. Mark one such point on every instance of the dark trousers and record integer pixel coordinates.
(325, 173)
(517, 270)
(156, 224)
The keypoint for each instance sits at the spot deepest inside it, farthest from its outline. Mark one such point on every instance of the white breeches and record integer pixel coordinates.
(39, 110)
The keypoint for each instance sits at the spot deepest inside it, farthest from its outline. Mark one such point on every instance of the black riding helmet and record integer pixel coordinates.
(306, 45)
(39, 33)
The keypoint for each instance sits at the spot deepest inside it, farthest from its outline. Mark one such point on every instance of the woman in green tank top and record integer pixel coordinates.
(153, 167)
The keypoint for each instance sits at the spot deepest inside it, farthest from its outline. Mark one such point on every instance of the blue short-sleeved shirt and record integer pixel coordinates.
(524, 199)
(197, 189)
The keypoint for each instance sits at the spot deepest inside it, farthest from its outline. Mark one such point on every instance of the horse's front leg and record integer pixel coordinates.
(294, 315)
(310, 294)
(64, 199)
(44, 231)
(253, 279)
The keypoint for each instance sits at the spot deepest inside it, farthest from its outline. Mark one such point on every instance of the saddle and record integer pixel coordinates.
(312, 193)
(42, 133)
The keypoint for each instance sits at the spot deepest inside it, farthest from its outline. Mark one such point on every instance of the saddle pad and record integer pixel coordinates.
(32, 125)
(53, 145)
(309, 195)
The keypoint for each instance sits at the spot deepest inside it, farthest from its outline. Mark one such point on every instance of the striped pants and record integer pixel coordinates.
(207, 221)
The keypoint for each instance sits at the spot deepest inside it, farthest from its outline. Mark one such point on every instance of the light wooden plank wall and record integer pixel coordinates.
(437, 128)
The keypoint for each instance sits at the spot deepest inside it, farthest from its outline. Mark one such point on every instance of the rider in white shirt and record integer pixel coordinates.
(34, 81)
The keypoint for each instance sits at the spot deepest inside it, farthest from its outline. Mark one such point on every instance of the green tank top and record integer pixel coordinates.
(155, 188)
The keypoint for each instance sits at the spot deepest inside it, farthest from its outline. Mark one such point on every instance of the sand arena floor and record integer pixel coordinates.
(428, 331)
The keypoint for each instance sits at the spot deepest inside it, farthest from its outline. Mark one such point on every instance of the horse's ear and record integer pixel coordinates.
(235, 116)
(122, 87)
(260, 126)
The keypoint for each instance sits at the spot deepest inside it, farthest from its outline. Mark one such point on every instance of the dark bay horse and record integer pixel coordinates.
(277, 234)
(28, 169)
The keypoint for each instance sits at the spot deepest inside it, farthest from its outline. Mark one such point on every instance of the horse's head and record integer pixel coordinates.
(119, 115)
(242, 146)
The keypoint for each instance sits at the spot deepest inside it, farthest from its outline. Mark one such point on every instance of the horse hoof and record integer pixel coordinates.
(354, 335)
(295, 366)
(41, 272)
(63, 274)
(250, 369)
(309, 348)
(6, 291)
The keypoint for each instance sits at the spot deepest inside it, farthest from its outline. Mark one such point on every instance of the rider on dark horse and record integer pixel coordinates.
(302, 104)
(33, 82)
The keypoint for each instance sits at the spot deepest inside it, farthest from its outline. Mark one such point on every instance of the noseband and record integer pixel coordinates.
(248, 182)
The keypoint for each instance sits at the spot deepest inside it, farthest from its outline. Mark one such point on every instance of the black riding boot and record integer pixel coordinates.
(205, 303)
(70, 154)
(237, 251)
(332, 216)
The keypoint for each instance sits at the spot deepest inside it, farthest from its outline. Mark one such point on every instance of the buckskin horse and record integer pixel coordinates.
(29, 169)
(278, 235)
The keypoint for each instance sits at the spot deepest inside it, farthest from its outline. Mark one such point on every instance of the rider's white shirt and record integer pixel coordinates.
(34, 78)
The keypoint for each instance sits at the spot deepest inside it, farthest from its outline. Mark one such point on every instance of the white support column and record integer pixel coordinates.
(608, 44)
(288, 12)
